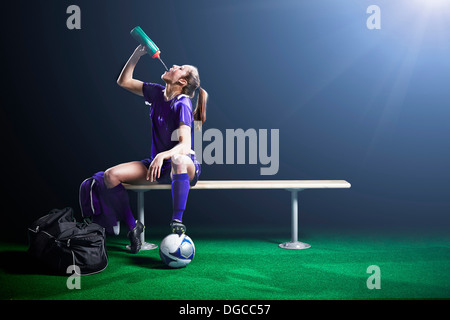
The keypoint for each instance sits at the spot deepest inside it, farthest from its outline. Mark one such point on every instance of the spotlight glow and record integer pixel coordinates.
(434, 3)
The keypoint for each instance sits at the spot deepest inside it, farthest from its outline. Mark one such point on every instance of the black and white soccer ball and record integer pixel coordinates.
(177, 251)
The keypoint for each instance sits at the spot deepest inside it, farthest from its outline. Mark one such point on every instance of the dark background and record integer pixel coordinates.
(367, 106)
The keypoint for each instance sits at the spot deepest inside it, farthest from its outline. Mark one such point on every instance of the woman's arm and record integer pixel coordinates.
(125, 79)
(183, 147)
(184, 143)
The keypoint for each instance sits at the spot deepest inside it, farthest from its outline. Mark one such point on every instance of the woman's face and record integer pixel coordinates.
(175, 74)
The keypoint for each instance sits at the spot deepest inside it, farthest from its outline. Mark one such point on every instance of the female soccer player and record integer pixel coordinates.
(172, 160)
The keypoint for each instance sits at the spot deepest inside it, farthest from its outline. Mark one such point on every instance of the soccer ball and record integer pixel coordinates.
(177, 251)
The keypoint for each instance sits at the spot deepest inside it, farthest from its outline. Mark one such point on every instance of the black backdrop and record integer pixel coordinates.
(350, 103)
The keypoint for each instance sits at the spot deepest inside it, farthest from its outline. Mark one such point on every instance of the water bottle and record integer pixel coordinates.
(140, 36)
(152, 49)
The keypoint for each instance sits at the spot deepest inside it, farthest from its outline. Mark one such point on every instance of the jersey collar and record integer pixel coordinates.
(178, 97)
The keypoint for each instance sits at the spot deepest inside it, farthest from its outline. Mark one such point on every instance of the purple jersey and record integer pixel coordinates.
(166, 116)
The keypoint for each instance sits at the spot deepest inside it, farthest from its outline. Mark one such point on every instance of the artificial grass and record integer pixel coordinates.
(243, 265)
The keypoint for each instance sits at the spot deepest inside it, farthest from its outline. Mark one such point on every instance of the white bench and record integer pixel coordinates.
(291, 185)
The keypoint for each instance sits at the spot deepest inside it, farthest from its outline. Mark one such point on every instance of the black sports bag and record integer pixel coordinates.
(59, 241)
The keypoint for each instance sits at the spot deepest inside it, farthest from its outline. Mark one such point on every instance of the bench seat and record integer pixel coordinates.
(291, 185)
(249, 184)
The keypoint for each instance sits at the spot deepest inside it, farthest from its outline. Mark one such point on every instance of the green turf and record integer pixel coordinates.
(251, 266)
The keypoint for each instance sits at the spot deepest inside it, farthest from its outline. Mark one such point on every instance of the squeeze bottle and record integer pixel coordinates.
(140, 36)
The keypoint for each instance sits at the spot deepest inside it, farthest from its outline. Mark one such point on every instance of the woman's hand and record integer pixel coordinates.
(154, 170)
(140, 51)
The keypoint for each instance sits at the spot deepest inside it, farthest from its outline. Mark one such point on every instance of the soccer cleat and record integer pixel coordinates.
(177, 227)
(135, 237)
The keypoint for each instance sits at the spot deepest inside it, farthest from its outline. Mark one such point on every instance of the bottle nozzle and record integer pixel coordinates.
(156, 55)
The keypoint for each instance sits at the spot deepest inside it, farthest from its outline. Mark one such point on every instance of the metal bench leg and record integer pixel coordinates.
(141, 216)
(294, 243)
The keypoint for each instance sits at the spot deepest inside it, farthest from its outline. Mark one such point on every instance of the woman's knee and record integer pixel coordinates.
(111, 177)
(130, 172)
(180, 163)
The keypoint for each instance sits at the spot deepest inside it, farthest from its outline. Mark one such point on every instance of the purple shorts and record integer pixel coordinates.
(167, 167)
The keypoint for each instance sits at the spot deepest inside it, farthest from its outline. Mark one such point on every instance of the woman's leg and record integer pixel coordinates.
(117, 196)
(130, 172)
(182, 164)
(183, 171)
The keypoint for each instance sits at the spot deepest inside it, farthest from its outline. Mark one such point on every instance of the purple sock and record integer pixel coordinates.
(119, 202)
(180, 191)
